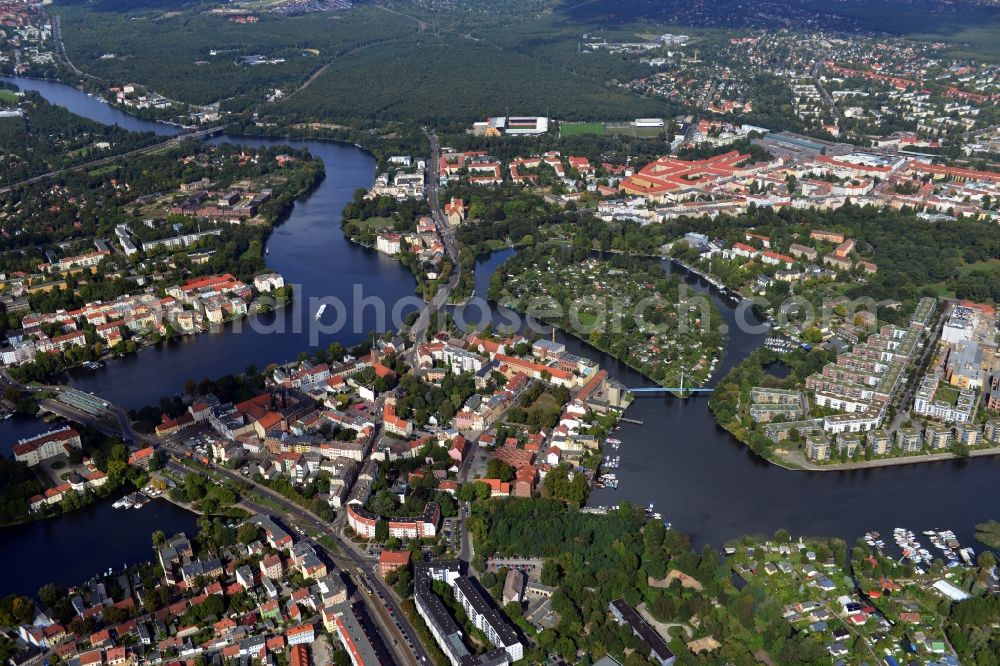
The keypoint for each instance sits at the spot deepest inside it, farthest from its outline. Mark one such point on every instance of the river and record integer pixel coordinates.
(308, 249)
(73, 548)
(696, 474)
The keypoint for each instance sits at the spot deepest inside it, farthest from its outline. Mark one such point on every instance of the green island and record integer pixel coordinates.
(624, 305)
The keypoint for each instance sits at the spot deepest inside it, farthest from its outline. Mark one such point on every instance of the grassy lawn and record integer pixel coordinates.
(622, 129)
(496, 244)
(577, 129)
(8, 97)
(546, 401)
(941, 289)
(102, 171)
(949, 394)
(991, 265)
(374, 222)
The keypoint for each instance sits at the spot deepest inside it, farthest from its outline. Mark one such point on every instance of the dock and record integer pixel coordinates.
(628, 420)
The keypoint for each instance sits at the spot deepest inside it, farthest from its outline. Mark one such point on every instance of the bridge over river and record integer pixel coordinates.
(669, 389)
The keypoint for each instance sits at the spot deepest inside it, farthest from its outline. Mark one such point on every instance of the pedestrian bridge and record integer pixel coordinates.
(669, 389)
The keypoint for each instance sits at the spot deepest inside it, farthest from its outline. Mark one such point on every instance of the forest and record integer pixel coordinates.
(17, 485)
(368, 63)
(191, 55)
(48, 137)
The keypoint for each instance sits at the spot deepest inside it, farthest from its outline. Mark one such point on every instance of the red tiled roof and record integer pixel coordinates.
(397, 557)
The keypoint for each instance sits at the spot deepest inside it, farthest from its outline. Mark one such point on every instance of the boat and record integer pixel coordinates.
(120, 503)
(319, 313)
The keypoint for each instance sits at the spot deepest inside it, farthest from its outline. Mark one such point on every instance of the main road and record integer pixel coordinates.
(817, 68)
(419, 329)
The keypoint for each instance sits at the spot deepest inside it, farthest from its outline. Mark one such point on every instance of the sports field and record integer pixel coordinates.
(628, 129)
(578, 129)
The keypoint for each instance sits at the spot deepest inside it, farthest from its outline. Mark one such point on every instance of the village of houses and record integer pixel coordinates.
(281, 598)
(141, 253)
(886, 606)
(322, 420)
(187, 308)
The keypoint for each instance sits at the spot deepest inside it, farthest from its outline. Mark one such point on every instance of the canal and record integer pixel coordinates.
(701, 479)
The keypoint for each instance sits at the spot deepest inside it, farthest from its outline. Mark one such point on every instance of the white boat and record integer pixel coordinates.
(319, 313)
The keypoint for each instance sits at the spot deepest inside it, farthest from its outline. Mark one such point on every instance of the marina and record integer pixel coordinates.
(780, 344)
(910, 548)
(135, 500)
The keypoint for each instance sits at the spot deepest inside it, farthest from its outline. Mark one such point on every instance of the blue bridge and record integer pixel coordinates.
(670, 389)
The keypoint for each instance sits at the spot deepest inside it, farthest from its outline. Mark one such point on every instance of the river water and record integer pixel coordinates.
(696, 474)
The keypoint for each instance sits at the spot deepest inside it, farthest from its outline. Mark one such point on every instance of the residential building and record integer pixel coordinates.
(658, 650)
(33, 450)
(301, 635)
(938, 436)
(909, 440)
(968, 434)
(817, 448)
(879, 441)
(388, 243)
(392, 560)
(992, 432)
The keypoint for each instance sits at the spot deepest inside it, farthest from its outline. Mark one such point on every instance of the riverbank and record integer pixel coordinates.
(801, 462)
(98, 536)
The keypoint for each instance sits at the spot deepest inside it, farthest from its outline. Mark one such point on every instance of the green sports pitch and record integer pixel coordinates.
(579, 129)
